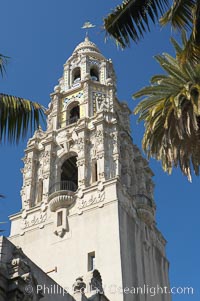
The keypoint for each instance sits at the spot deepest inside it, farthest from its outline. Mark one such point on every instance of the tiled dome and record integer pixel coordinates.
(86, 46)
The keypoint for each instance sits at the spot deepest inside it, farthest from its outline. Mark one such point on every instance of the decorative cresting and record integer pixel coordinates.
(61, 195)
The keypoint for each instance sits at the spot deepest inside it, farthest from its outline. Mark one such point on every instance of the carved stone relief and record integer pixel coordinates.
(80, 146)
(27, 170)
(100, 102)
(33, 219)
(98, 141)
(97, 197)
(115, 142)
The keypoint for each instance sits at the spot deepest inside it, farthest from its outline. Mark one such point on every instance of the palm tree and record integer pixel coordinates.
(17, 115)
(171, 113)
(130, 20)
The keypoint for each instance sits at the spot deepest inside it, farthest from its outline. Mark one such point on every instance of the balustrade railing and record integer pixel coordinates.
(68, 121)
(63, 186)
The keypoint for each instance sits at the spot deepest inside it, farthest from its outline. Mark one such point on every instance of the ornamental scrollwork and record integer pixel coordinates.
(34, 220)
(96, 198)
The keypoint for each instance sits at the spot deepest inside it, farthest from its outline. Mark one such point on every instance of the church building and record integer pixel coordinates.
(87, 224)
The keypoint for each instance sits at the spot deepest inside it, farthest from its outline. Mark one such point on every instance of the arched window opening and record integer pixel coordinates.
(94, 74)
(74, 114)
(76, 75)
(69, 174)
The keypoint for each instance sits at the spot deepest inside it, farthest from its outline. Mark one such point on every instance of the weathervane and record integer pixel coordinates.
(88, 25)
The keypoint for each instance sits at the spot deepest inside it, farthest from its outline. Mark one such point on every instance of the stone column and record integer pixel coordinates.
(29, 180)
(67, 77)
(48, 167)
(103, 73)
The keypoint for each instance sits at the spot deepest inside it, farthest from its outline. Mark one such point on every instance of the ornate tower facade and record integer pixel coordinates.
(87, 195)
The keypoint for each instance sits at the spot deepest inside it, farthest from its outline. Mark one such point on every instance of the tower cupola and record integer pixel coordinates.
(87, 47)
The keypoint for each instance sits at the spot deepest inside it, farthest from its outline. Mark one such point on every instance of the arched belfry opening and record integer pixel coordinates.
(74, 114)
(76, 75)
(69, 174)
(94, 74)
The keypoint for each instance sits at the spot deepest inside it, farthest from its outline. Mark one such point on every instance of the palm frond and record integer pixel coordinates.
(3, 62)
(191, 49)
(191, 52)
(130, 20)
(177, 47)
(172, 69)
(179, 15)
(196, 22)
(17, 116)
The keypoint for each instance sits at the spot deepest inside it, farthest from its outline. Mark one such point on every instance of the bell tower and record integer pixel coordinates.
(87, 195)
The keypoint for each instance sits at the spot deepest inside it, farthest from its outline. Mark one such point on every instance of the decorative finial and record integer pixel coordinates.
(87, 25)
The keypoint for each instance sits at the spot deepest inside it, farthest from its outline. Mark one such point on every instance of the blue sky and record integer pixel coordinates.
(39, 36)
